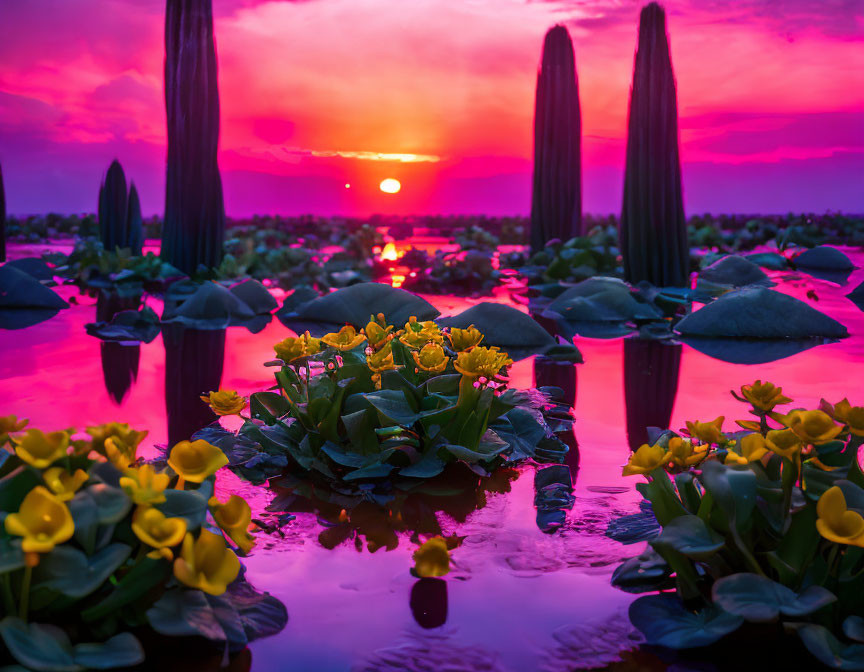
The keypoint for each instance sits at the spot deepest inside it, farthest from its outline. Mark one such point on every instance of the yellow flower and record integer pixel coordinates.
(814, 427)
(430, 357)
(161, 554)
(752, 425)
(432, 558)
(145, 485)
(235, 518)
(417, 334)
(63, 484)
(465, 339)
(154, 529)
(293, 348)
(378, 331)
(785, 443)
(683, 453)
(481, 361)
(837, 523)
(9, 424)
(196, 460)
(130, 438)
(42, 450)
(345, 339)
(709, 432)
(225, 402)
(206, 563)
(764, 396)
(645, 460)
(120, 454)
(43, 520)
(753, 447)
(853, 416)
(381, 360)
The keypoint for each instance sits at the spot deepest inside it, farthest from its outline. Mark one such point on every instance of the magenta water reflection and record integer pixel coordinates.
(517, 598)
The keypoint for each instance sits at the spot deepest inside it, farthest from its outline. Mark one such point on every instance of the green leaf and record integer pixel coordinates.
(11, 555)
(268, 406)
(733, 490)
(122, 650)
(426, 467)
(181, 612)
(392, 407)
(760, 600)
(75, 574)
(190, 505)
(690, 536)
(665, 621)
(377, 470)
(829, 650)
(644, 573)
(853, 628)
(38, 647)
(142, 578)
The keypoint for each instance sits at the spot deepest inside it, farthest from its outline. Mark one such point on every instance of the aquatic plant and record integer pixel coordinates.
(762, 525)
(575, 259)
(556, 202)
(194, 227)
(382, 403)
(95, 543)
(653, 228)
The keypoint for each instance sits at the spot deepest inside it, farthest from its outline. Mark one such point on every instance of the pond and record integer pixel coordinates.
(517, 598)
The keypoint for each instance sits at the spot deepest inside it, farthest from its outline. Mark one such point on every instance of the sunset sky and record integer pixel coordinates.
(319, 93)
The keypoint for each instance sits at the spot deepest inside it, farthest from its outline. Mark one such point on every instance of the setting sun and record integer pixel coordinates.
(390, 186)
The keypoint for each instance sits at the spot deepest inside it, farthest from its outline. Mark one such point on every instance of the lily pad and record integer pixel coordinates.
(20, 290)
(856, 296)
(665, 621)
(601, 299)
(734, 271)
(255, 295)
(32, 266)
(760, 600)
(354, 305)
(644, 573)
(502, 326)
(211, 306)
(75, 574)
(770, 260)
(750, 351)
(758, 312)
(823, 258)
(127, 326)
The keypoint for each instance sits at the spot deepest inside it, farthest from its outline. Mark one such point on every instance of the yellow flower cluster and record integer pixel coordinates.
(225, 402)
(44, 521)
(295, 348)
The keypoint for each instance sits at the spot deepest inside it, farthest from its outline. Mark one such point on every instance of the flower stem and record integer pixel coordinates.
(24, 604)
(181, 483)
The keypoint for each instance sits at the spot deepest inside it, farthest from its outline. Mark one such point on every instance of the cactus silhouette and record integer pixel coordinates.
(556, 203)
(112, 208)
(2, 218)
(194, 226)
(134, 221)
(653, 229)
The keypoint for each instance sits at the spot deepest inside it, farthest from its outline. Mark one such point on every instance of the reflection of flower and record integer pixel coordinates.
(225, 402)
(144, 485)
(196, 460)
(683, 453)
(345, 339)
(432, 558)
(431, 357)
(154, 529)
(417, 334)
(293, 348)
(465, 339)
(63, 484)
(43, 520)
(235, 518)
(764, 396)
(9, 424)
(481, 361)
(709, 432)
(837, 523)
(814, 427)
(853, 416)
(206, 563)
(41, 450)
(645, 460)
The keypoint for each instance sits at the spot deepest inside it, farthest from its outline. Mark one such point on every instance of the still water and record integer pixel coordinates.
(517, 598)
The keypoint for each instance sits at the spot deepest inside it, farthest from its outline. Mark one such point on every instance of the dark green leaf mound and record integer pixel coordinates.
(758, 312)
(734, 271)
(823, 258)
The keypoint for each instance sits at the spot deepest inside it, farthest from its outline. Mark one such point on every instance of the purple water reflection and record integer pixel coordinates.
(517, 599)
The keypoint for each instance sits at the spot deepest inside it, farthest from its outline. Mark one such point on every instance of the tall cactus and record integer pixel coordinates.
(194, 227)
(2, 218)
(134, 222)
(653, 229)
(112, 208)
(556, 203)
